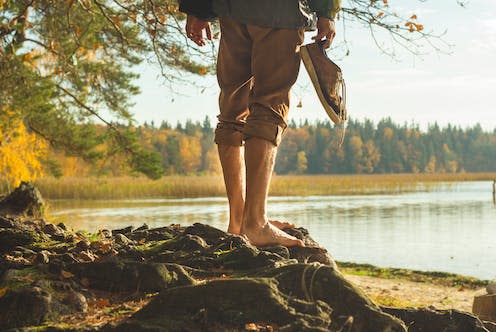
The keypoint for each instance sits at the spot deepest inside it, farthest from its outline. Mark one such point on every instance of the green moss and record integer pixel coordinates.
(153, 247)
(219, 253)
(391, 301)
(50, 245)
(18, 279)
(49, 326)
(437, 278)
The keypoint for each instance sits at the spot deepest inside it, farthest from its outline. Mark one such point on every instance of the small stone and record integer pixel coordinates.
(105, 233)
(76, 300)
(24, 250)
(83, 244)
(43, 257)
(144, 227)
(125, 230)
(86, 256)
(102, 246)
(52, 229)
(491, 288)
(16, 253)
(68, 258)
(122, 239)
(62, 226)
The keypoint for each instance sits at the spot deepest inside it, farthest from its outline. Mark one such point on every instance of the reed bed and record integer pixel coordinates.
(211, 186)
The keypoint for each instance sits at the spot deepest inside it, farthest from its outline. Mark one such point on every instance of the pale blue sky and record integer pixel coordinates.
(459, 88)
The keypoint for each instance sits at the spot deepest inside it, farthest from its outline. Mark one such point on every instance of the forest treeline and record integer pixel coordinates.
(314, 148)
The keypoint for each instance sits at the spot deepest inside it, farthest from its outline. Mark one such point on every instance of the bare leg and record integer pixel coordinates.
(233, 168)
(260, 157)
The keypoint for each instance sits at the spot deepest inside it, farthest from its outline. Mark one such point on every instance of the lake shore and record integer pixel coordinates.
(192, 186)
(412, 288)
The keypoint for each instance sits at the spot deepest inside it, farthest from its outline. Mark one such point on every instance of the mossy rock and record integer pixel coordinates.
(229, 303)
(11, 238)
(24, 200)
(118, 276)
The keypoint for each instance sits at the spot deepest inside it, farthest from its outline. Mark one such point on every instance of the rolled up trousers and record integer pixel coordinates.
(256, 68)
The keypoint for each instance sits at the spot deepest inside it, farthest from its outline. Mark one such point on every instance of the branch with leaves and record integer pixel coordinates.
(64, 64)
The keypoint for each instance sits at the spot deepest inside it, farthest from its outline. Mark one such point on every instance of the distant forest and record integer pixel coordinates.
(314, 148)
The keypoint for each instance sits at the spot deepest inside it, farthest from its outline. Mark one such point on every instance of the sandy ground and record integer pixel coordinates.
(397, 292)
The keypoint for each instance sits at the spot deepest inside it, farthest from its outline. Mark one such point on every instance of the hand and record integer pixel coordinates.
(325, 28)
(194, 30)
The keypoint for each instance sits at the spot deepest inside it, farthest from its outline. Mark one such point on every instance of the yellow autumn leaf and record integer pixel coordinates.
(419, 27)
(27, 57)
(413, 17)
(116, 20)
(3, 291)
(202, 71)
(161, 18)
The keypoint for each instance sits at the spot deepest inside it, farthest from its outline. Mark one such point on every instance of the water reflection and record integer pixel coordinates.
(451, 229)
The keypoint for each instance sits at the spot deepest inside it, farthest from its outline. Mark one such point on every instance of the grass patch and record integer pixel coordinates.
(392, 301)
(153, 247)
(50, 245)
(18, 279)
(436, 278)
(212, 186)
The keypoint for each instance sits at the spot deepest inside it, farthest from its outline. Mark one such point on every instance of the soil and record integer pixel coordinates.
(406, 293)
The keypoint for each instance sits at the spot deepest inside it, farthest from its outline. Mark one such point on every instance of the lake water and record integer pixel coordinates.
(451, 228)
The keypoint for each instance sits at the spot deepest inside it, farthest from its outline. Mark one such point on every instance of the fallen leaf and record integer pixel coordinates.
(251, 327)
(85, 282)
(100, 303)
(3, 291)
(66, 274)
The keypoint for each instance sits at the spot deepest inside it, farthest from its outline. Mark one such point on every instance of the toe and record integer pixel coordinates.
(294, 243)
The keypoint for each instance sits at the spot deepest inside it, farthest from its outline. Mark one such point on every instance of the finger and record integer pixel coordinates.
(327, 43)
(188, 26)
(319, 36)
(208, 30)
(329, 40)
(198, 41)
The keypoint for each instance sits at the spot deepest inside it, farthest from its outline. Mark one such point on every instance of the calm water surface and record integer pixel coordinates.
(452, 228)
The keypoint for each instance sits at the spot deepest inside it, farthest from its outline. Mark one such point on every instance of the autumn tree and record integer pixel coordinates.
(20, 154)
(65, 65)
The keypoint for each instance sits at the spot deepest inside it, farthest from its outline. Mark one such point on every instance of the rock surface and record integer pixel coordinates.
(24, 200)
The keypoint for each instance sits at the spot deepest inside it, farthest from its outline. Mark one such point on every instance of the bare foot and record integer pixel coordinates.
(270, 235)
(282, 224)
(234, 229)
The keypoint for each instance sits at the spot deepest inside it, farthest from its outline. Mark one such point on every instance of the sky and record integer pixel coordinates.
(457, 88)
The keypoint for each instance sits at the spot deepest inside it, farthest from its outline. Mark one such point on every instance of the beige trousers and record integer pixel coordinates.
(256, 68)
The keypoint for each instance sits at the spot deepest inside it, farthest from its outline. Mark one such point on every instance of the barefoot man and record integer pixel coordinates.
(257, 64)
